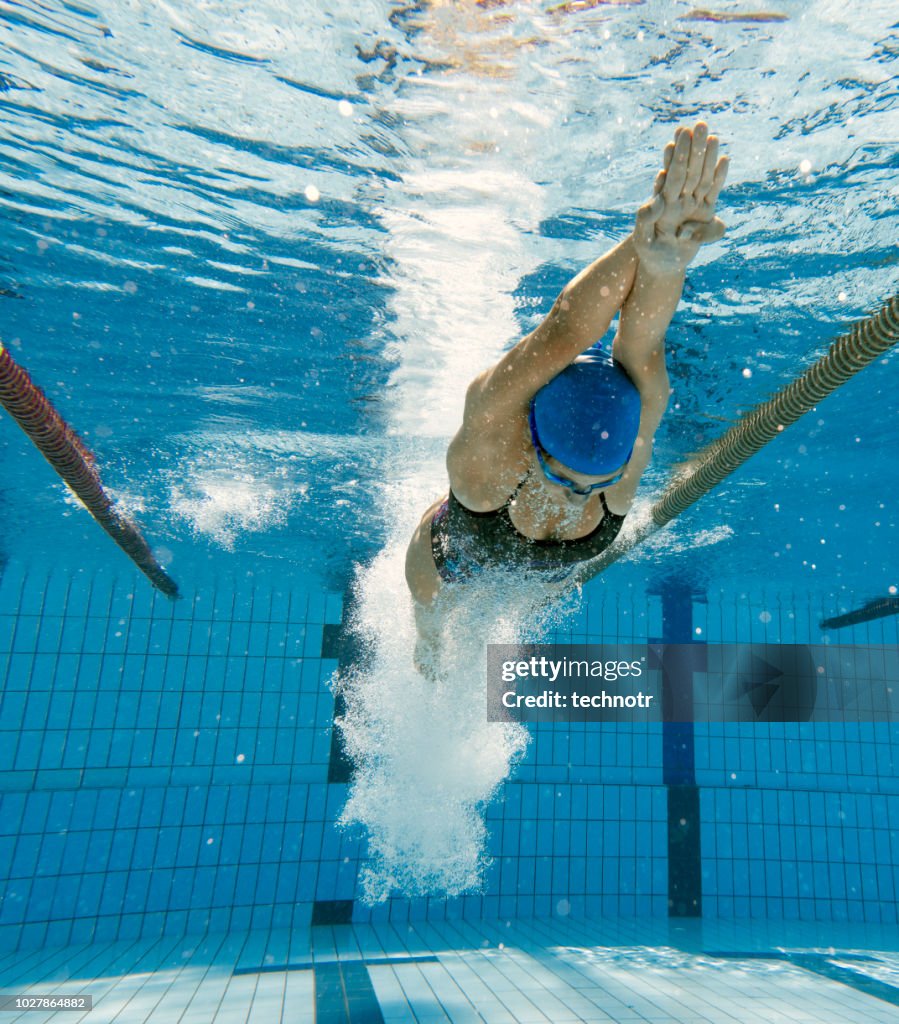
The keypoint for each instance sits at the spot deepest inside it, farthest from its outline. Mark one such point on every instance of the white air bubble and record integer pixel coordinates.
(227, 492)
(747, 373)
(345, 108)
(164, 556)
(805, 166)
(312, 193)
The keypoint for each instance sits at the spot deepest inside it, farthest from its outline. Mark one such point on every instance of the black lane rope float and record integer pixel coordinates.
(850, 352)
(877, 609)
(68, 455)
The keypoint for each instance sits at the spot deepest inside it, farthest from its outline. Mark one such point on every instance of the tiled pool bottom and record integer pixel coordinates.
(516, 972)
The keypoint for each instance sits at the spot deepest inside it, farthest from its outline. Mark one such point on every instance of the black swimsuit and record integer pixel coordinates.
(464, 542)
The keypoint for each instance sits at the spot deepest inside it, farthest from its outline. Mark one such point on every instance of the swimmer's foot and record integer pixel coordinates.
(680, 217)
(426, 653)
(425, 660)
(428, 642)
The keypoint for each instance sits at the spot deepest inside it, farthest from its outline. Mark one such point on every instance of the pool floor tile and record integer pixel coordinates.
(560, 971)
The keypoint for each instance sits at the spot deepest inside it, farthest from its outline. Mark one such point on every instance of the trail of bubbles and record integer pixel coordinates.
(427, 760)
(225, 497)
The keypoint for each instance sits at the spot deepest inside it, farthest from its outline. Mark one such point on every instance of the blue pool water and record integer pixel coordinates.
(254, 254)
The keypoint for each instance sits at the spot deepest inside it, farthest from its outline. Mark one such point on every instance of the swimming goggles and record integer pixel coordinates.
(563, 481)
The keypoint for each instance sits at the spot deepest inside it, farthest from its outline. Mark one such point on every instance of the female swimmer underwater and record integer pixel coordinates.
(556, 435)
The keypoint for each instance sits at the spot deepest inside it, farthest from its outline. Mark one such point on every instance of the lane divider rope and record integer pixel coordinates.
(69, 456)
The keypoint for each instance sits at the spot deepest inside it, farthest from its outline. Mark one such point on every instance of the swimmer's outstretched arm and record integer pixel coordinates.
(580, 316)
(642, 276)
(668, 233)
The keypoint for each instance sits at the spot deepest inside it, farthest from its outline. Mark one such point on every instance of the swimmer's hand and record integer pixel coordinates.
(680, 217)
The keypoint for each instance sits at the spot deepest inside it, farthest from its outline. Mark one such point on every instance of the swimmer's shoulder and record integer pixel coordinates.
(482, 475)
(486, 459)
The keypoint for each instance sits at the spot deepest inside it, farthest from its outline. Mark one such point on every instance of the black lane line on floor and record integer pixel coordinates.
(678, 662)
(326, 912)
(822, 965)
(341, 643)
(344, 994)
(340, 768)
(684, 853)
(309, 965)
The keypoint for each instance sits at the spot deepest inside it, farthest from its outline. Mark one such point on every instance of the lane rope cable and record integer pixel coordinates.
(69, 456)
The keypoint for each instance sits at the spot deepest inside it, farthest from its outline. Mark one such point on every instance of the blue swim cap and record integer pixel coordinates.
(589, 415)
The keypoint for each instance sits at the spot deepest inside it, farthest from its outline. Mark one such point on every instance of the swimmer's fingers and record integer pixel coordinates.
(676, 174)
(713, 231)
(696, 160)
(647, 215)
(718, 180)
(703, 232)
(708, 169)
(667, 153)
